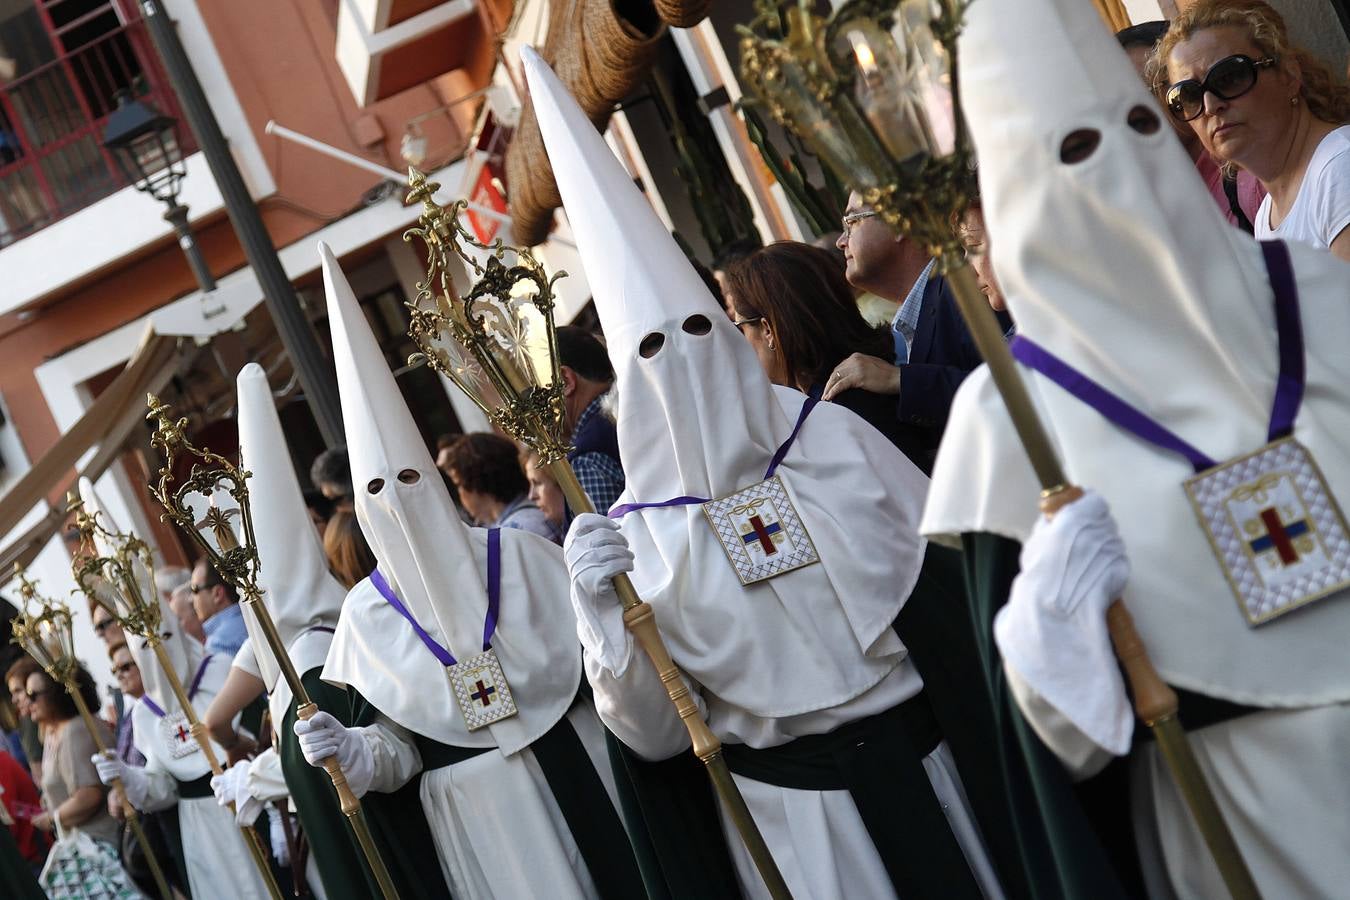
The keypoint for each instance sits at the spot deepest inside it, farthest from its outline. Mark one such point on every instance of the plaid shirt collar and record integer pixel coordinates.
(592, 410)
(906, 319)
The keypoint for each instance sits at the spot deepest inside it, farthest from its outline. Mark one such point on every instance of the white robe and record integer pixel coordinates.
(817, 838)
(498, 831)
(219, 866)
(1247, 764)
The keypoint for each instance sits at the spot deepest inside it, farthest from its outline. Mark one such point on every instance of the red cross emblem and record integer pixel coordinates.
(1279, 536)
(182, 734)
(483, 693)
(762, 533)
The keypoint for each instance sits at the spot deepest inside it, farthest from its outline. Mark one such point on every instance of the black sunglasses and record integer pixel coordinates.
(1227, 79)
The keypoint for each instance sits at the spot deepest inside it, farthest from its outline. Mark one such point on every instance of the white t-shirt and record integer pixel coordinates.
(1322, 208)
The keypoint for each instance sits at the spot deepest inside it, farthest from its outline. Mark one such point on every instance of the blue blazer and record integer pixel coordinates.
(940, 357)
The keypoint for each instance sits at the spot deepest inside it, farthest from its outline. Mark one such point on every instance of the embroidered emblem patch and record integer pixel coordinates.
(480, 688)
(1278, 533)
(761, 532)
(177, 735)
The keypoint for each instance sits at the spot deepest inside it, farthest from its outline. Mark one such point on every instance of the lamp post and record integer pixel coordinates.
(144, 141)
(312, 368)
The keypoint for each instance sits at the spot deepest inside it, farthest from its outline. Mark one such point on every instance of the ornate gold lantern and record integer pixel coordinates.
(116, 570)
(211, 506)
(43, 629)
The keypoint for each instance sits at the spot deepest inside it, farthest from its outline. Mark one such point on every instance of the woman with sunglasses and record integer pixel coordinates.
(794, 306)
(71, 790)
(1260, 103)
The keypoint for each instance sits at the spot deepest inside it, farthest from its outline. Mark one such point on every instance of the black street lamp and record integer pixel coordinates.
(144, 141)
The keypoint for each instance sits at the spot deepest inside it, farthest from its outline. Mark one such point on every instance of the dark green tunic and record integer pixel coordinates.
(395, 819)
(1073, 841)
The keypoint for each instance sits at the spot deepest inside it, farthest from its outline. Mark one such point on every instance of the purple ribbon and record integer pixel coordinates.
(192, 688)
(494, 575)
(619, 512)
(1288, 387)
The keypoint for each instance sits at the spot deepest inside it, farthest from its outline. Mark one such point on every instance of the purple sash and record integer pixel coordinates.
(494, 576)
(619, 512)
(1288, 387)
(192, 689)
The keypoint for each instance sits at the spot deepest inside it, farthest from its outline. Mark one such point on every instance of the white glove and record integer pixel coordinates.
(135, 782)
(322, 736)
(596, 551)
(1053, 632)
(231, 786)
(281, 850)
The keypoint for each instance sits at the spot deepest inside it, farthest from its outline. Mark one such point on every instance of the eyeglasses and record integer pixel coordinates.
(854, 218)
(198, 588)
(104, 625)
(750, 321)
(1227, 79)
(124, 668)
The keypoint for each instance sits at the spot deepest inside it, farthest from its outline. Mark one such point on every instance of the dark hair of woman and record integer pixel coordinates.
(63, 705)
(345, 546)
(489, 464)
(802, 293)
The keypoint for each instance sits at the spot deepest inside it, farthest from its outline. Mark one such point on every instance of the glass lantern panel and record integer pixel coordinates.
(883, 90)
(454, 360)
(217, 516)
(929, 70)
(815, 124)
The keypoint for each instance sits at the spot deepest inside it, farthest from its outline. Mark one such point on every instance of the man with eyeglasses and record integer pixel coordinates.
(106, 626)
(933, 350)
(217, 605)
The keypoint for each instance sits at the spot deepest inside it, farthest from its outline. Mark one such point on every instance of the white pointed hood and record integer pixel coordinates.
(301, 594)
(699, 418)
(1123, 266)
(437, 567)
(184, 651)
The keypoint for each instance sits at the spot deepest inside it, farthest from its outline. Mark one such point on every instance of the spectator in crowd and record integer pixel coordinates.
(217, 605)
(71, 789)
(106, 626)
(544, 492)
(21, 801)
(485, 470)
(331, 473)
(974, 236)
(320, 509)
(798, 312)
(345, 546)
(1257, 101)
(180, 601)
(30, 737)
(587, 376)
(933, 351)
(1238, 193)
(728, 255)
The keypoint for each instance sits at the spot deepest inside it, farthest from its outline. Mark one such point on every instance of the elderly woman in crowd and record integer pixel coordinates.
(1258, 102)
(71, 790)
(798, 312)
(485, 469)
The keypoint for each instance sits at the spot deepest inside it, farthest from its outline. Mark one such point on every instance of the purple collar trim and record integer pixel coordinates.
(812, 399)
(1288, 387)
(193, 685)
(494, 579)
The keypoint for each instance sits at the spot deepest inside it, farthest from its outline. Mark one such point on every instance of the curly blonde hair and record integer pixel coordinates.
(1327, 98)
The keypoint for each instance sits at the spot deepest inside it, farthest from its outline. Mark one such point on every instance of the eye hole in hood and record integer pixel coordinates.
(651, 345)
(375, 486)
(697, 325)
(1143, 120)
(1079, 144)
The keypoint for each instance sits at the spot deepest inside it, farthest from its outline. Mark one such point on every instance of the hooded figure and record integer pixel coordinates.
(304, 600)
(1114, 262)
(513, 802)
(176, 769)
(782, 666)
